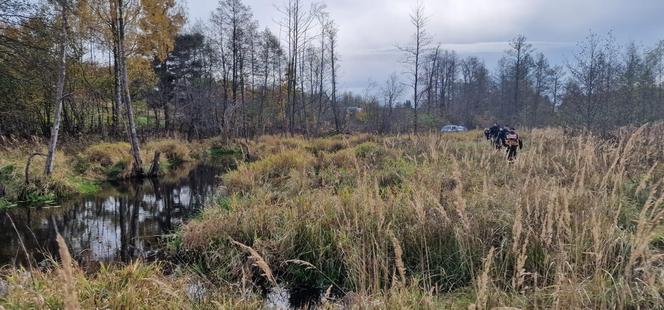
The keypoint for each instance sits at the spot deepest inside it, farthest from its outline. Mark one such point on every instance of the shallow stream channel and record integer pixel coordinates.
(122, 222)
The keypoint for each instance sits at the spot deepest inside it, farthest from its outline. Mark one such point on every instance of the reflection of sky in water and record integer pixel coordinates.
(120, 226)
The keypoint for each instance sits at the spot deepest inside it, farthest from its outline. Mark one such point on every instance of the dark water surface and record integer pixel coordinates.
(124, 221)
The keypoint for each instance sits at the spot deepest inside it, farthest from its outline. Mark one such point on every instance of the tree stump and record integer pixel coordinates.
(154, 168)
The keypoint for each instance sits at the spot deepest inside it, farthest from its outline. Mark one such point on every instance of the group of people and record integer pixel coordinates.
(504, 137)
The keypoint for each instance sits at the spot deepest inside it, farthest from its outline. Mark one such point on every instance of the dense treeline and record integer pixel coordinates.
(225, 77)
(600, 87)
(130, 64)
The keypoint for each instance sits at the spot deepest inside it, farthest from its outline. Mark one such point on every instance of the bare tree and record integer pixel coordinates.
(432, 77)
(557, 75)
(297, 20)
(332, 36)
(324, 23)
(59, 88)
(448, 74)
(413, 55)
(586, 73)
(520, 52)
(392, 91)
(541, 85)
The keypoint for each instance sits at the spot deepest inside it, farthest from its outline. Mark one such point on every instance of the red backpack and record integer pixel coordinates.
(512, 139)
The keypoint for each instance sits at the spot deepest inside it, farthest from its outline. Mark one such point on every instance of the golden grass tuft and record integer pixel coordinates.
(134, 286)
(173, 150)
(107, 154)
(67, 276)
(277, 169)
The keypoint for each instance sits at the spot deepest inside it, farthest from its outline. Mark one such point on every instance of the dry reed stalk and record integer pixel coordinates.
(67, 274)
(549, 217)
(165, 288)
(460, 201)
(517, 229)
(20, 241)
(646, 178)
(258, 261)
(562, 281)
(565, 216)
(483, 282)
(616, 160)
(398, 261)
(306, 264)
(418, 206)
(520, 271)
(433, 150)
(648, 220)
(598, 232)
(327, 296)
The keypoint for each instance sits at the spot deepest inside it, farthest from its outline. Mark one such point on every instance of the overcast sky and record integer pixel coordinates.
(370, 29)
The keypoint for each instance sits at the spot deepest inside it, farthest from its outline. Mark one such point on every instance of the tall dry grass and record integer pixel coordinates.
(65, 285)
(432, 222)
(575, 222)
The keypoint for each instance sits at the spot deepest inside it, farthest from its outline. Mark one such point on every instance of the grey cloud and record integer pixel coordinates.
(370, 29)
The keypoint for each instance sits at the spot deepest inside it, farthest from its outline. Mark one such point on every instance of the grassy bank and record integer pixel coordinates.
(435, 221)
(80, 168)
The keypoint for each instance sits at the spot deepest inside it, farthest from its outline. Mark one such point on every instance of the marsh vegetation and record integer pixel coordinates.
(420, 222)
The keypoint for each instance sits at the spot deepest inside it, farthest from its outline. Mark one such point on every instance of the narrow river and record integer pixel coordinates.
(123, 221)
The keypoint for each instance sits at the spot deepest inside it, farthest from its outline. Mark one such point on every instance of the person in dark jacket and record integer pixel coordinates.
(494, 133)
(512, 142)
(493, 130)
(502, 135)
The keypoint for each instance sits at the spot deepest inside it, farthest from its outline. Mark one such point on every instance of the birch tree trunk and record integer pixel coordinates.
(332, 35)
(137, 167)
(59, 92)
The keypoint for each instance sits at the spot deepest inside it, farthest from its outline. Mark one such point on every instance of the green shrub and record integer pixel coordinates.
(369, 150)
(84, 186)
(5, 204)
(117, 170)
(217, 152)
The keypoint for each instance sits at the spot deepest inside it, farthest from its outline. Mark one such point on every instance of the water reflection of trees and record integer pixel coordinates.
(118, 224)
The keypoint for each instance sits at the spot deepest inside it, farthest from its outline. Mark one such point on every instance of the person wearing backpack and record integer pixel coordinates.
(495, 133)
(493, 130)
(513, 143)
(499, 140)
